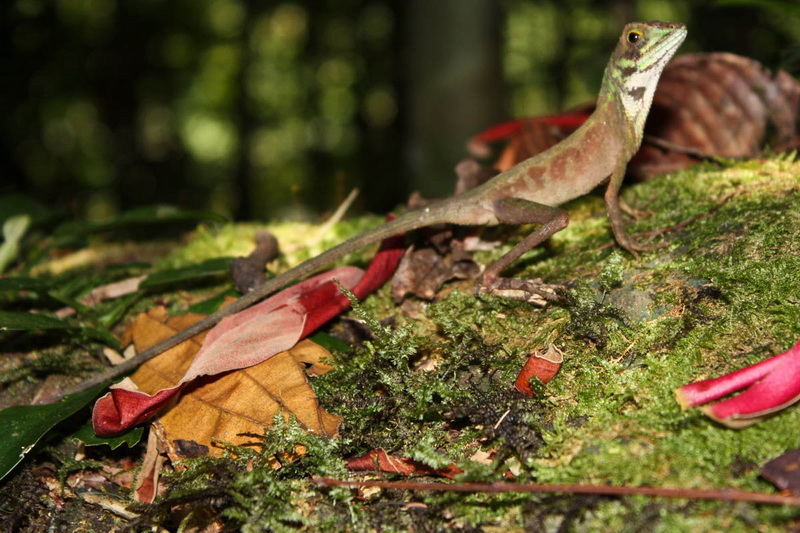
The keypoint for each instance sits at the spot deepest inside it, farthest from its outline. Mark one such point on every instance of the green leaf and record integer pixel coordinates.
(330, 342)
(22, 284)
(102, 334)
(139, 217)
(24, 425)
(86, 435)
(10, 320)
(211, 267)
(117, 309)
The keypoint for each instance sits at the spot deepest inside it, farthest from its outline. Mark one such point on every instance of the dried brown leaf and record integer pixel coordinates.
(241, 402)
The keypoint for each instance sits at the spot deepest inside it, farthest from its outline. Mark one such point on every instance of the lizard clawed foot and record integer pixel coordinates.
(632, 246)
(530, 291)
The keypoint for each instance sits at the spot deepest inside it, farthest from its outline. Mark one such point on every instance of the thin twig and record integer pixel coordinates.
(672, 147)
(608, 490)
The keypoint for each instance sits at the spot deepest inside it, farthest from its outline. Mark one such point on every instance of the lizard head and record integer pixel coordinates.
(643, 50)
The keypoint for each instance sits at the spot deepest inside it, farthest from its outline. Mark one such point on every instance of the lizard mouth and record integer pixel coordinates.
(664, 50)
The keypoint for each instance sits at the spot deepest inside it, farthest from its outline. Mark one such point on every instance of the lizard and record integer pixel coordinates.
(528, 193)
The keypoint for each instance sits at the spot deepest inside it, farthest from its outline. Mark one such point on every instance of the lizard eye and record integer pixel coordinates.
(634, 36)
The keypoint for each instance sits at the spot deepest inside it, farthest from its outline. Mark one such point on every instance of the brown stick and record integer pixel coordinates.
(607, 490)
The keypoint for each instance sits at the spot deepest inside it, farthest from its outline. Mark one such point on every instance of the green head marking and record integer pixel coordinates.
(643, 50)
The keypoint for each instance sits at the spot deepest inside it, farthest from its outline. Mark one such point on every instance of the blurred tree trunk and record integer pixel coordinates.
(453, 84)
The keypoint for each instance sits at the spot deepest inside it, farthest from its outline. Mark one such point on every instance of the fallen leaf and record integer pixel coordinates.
(423, 271)
(247, 338)
(248, 272)
(146, 487)
(784, 471)
(246, 401)
(717, 105)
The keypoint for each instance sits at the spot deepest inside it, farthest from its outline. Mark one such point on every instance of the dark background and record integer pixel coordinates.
(258, 109)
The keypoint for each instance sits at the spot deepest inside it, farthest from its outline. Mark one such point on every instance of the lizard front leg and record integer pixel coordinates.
(518, 211)
(615, 214)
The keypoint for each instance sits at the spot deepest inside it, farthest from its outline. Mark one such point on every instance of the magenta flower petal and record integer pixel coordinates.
(772, 385)
(701, 392)
(778, 390)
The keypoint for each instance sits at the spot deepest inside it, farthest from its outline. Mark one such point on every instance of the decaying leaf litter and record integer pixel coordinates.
(631, 332)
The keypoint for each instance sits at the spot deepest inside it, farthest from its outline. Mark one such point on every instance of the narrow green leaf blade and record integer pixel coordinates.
(142, 216)
(86, 435)
(10, 320)
(22, 284)
(24, 425)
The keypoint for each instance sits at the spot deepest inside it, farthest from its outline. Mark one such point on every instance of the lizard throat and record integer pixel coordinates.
(636, 95)
(634, 82)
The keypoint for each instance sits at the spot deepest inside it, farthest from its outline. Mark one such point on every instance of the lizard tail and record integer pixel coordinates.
(407, 222)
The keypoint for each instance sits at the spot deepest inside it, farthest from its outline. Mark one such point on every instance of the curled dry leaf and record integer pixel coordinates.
(246, 401)
(147, 486)
(706, 105)
(248, 272)
(223, 407)
(543, 366)
(423, 271)
(380, 461)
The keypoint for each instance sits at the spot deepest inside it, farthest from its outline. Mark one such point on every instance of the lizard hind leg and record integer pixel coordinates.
(519, 211)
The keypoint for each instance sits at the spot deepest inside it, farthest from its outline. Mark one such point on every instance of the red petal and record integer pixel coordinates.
(498, 132)
(504, 130)
(328, 302)
(566, 120)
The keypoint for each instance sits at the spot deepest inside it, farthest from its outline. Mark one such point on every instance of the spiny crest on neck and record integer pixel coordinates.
(643, 50)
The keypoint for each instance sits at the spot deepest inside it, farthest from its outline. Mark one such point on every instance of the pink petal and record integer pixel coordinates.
(778, 390)
(701, 392)
(253, 336)
(121, 409)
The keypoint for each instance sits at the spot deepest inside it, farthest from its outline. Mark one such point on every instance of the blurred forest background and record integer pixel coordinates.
(260, 109)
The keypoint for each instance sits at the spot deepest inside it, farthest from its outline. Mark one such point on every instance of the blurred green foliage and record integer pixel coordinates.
(258, 108)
